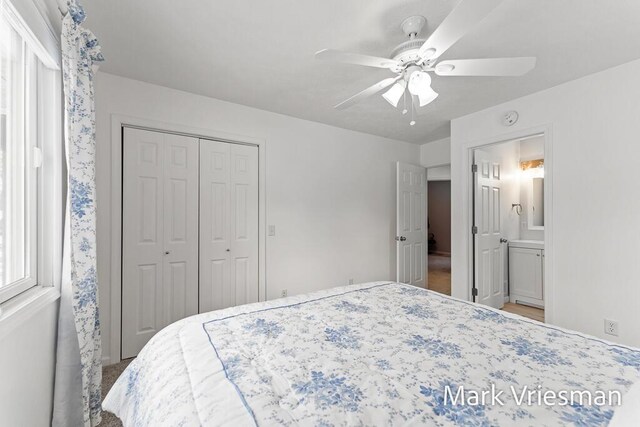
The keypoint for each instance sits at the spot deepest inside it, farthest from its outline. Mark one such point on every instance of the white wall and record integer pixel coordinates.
(596, 232)
(436, 153)
(27, 366)
(330, 191)
(439, 173)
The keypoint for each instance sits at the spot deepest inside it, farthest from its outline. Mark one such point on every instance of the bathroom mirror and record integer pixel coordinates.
(536, 204)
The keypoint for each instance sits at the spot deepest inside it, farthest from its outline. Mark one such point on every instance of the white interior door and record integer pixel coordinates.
(411, 224)
(228, 225)
(489, 260)
(159, 234)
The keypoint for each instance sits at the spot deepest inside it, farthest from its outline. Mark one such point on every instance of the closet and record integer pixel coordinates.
(189, 230)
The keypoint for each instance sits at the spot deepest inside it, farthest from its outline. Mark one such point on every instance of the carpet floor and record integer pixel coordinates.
(109, 376)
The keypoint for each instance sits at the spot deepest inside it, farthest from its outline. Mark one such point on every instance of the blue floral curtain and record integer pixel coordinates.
(77, 400)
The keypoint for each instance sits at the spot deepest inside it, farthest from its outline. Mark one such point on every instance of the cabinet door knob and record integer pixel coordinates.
(228, 250)
(167, 252)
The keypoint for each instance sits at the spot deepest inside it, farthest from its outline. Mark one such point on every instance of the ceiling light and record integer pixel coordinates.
(419, 81)
(427, 96)
(394, 94)
(420, 85)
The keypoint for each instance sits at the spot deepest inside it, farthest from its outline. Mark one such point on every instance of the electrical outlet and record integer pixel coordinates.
(283, 293)
(351, 281)
(272, 230)
(611, 327)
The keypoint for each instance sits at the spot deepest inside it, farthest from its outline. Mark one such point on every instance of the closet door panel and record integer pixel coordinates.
(159, 235)
(215, 247)
(228, 225)
(244, 227)
(180, 227)
(142, 239)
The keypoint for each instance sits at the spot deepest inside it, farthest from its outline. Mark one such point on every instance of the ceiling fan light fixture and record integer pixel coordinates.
(427, 96)
(394, 94)
(419, 81)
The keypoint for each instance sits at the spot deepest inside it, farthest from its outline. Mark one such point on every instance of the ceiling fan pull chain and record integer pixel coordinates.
(404, 100)
(413, 110)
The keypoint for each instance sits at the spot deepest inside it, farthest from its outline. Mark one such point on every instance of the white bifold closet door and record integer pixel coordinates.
(228, 225)
(159, 234)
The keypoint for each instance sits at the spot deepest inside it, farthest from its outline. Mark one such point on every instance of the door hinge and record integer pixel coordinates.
(474, 230)
(474, 168)
(474, 292)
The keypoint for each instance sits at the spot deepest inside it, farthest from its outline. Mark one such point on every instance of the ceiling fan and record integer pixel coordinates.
(414, 60)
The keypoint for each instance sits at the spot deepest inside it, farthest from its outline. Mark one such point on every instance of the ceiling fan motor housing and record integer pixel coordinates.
(407, 52)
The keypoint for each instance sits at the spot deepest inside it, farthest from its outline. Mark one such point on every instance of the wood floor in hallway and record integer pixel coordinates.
(440, 274)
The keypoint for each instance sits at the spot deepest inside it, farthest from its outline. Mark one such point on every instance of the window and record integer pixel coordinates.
(23, 92)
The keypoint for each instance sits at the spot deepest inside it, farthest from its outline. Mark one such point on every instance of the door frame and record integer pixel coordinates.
(467, 212)
(118, 122)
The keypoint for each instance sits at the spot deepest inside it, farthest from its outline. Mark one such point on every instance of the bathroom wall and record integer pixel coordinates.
(530, 149)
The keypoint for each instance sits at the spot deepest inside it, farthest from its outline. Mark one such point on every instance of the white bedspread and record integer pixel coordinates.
(373, 354)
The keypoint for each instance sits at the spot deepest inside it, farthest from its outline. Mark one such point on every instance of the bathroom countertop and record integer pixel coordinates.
(528, 244)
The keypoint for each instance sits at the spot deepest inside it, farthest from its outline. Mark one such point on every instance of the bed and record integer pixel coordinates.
(371, 354)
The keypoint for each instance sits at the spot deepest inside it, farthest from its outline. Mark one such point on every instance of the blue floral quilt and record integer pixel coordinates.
(372, 354)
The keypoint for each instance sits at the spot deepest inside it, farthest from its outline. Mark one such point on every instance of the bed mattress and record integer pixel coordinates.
(371, 354)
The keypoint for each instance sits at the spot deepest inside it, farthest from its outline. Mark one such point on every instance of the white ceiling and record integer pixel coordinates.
(260, 52)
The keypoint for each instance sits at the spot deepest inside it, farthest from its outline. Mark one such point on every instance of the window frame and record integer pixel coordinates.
(42, 129)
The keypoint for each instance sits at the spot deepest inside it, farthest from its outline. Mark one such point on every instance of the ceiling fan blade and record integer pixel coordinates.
(371, 90)
(355, 58)
(486, 67)
(461, 20)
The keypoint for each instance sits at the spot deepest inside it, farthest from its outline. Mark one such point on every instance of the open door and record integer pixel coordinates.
(411, 224)
(488, 256)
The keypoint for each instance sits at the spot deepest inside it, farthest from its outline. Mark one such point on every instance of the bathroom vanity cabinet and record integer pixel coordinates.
(526, 272)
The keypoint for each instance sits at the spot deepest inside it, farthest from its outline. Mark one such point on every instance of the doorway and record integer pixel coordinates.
(508, 232)
(439, 229)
